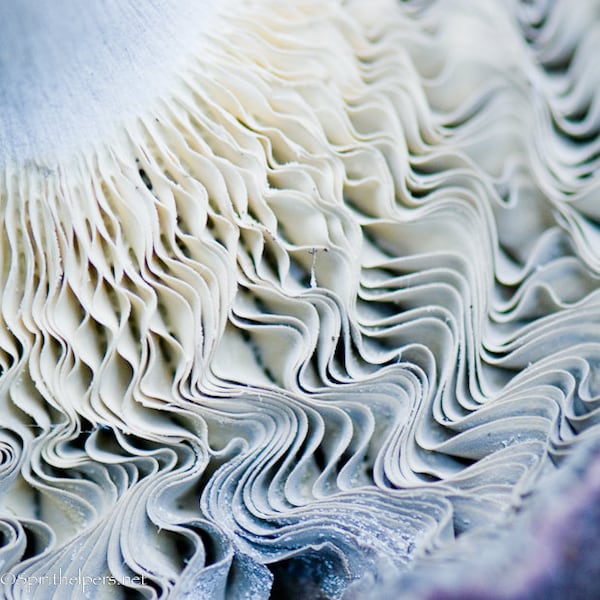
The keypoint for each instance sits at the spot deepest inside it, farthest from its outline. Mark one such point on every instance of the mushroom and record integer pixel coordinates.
(297, 297)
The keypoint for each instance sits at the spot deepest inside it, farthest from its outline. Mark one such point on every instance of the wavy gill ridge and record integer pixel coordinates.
(331, 310)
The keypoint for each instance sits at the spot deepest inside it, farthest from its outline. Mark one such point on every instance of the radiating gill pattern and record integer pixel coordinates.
(330, 309)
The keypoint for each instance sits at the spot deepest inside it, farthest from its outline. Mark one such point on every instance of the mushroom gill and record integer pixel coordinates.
(296, 297)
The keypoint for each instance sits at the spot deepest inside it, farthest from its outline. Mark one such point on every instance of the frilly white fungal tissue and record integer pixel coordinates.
(299, 299)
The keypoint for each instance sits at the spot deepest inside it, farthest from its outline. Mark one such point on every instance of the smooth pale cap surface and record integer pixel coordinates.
(70, 70)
